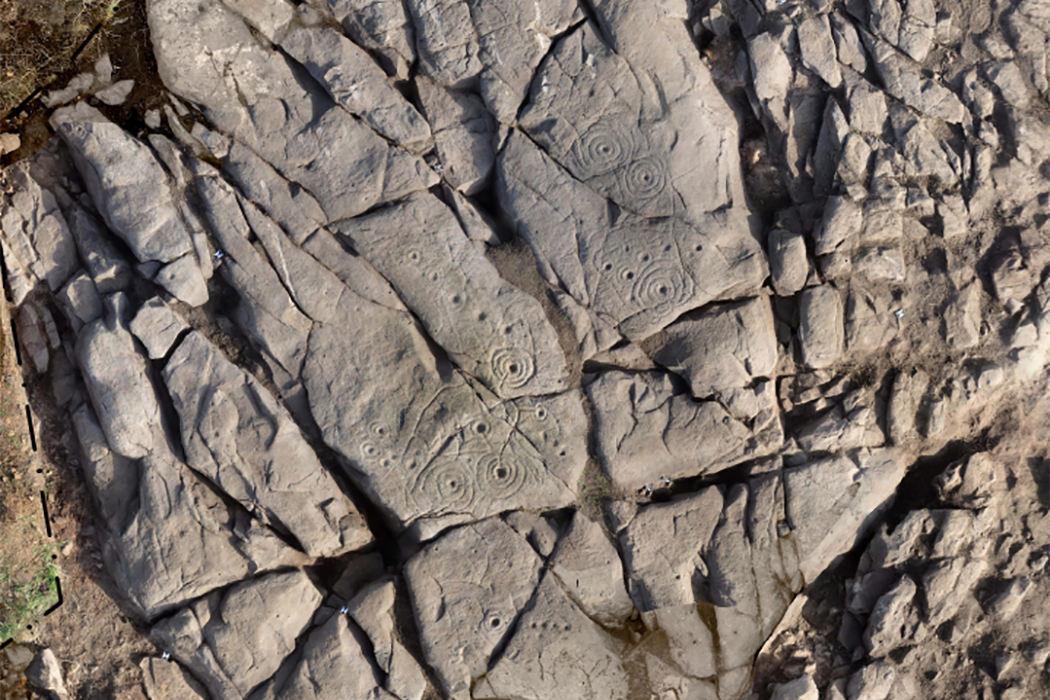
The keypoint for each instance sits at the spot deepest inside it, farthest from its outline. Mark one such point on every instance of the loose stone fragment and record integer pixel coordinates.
(157, 326)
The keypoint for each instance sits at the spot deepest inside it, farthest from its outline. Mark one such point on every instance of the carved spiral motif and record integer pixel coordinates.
(512, 367)
(447, 483)
(658, 284)
(369, 450)
(645, 178)
(498, 478)
(379, 429)
(604, 147)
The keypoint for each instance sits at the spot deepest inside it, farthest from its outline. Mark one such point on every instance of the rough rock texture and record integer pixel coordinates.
(235, 640)
(647, 430)
(236, 434)
(489, 328)
(468, 589)
(648, 399)
(557, 650)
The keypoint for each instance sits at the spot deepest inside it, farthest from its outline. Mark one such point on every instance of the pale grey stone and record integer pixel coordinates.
(961, 318)
(661, 549)
(853, 422)
(646, 430)
(184, 280)
(266, 312)
(905, 81)
(1007, 76)
(638, 273)
(591, 113)
(894, 620)
(38, 242)
(170, 538)
(873, 682)
(719, 347)
(824, 529)
(490, 328)
(103, 261)
(556, 652)
(121, 174)
(279, 113)
(80, 300)
(45, 676)
(235, 433)
(372, 609)
(847, 41)
(538, 531)
(772, 71)
(867, 107)
(902, 417)
(166, 680)
(117, 380)
(115, 94)
(590, 570)
(158, 326)
(358, 85)
(468, 589)
(334, 663)
(498, 44)
(821, 333)
(463, 133)
(841, 222)
(818, 49)
(803, 688)
(968, 483)
(423, 441)
(382, 28)
(788, 264)
(235, 640)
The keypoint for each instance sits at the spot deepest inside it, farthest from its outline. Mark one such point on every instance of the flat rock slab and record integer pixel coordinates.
(170, 537)
(589, 567)
(334, 664)
(638, 273)
(468, 589)
(490, 328)
(117, 380)
(719, 347)
(661, 549)
(167, 680)
(36, 237)
(383, 28)
(647, 430)
(358, 85)
(236, 433)
(429, 448)
(278, 113)
(556, 652)
(593, 114)
(824, 529)
(498, 44)
(235, 640)
(121, 174)
(158, 327)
